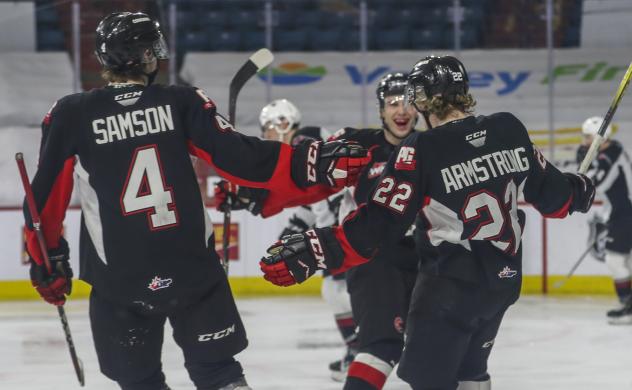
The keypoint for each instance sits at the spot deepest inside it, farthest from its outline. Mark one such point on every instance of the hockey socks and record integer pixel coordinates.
(623, 288)
(367, 372)
(346, 326)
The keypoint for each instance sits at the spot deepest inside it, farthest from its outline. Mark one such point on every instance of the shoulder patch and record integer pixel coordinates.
(406, 160)
(539, 157)
(47, 117)
(223, 125)
(208, 103)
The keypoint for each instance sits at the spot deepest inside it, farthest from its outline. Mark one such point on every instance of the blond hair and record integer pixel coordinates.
(441, 107)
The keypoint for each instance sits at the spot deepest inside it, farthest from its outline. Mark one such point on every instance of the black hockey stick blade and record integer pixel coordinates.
(599, 138)
(259, 60)
(76, 362)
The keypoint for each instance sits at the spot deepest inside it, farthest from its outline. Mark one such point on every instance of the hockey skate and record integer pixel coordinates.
(621, 315)
(339, 368)
(239, 384)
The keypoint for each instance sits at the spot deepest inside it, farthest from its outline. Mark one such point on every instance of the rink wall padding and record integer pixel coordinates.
(562, 245)
(255, 286)
(247, 286)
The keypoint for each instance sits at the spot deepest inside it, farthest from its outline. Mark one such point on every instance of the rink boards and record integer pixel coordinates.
(550, 248)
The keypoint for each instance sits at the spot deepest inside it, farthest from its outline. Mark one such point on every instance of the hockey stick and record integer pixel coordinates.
(599, 137)
(30, 201)
(562, 282)
(259, 60)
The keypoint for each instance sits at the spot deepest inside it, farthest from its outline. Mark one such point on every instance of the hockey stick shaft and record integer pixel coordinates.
(560, 283)
(259, 60)
(35, 218)
(600, 136)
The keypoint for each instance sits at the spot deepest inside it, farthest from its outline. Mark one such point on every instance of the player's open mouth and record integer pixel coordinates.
(401, 123)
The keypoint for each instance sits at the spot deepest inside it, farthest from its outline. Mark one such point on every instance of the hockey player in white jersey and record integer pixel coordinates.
(611, 172)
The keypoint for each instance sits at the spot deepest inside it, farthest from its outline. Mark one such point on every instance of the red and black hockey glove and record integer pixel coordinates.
(583, 192)
(55, 286)
(334, 163)
(295, 258)
(241, 198)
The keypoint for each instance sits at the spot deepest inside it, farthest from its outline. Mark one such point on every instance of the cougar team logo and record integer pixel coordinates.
(157, 283)
(406, 159)
(312, 156)
(217, 335)
(316, 248)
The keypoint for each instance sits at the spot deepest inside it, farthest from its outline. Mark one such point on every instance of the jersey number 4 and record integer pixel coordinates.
(145, 190)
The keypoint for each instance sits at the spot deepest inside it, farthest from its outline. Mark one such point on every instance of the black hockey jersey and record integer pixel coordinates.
(464, 179)
(145, 234)
(611, 172)
(401, 253)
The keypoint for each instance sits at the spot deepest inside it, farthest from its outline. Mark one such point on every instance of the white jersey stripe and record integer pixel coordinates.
(90, 209)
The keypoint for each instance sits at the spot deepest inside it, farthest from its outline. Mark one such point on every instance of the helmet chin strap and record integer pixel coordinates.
(281, 133)
(427, 119)
(151, 76)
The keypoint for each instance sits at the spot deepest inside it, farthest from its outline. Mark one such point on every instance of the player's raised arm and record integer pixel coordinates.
(302, 174)
(391, 209)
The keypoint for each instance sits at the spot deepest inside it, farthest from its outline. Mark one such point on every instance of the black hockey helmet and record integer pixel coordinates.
(389, 85)
(123, 37)
(443, 76)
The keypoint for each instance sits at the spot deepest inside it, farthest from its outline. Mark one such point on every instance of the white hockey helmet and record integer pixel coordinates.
(591, 126)
(277, 110)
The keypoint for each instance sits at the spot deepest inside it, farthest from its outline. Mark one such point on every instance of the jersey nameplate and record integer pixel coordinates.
(151, 120)
(483, 168)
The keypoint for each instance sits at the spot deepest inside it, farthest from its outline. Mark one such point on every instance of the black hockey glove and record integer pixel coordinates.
(241, 198)
(55, 286)
(333, 163)
(598, 238)
(297, 257)
(583, 192)
(295, 226)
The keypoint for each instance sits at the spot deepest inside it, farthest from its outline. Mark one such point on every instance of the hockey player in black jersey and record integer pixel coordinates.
(146, 244)
(380, 290)
(463, 177)
(611, 172)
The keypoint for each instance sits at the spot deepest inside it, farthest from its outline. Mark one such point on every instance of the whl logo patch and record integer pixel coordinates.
(406, 159)
(477, 139)
(157, 283)
(376, 170)
(507, 273)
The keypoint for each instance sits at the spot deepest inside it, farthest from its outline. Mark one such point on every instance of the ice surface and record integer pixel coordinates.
(544, 343)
